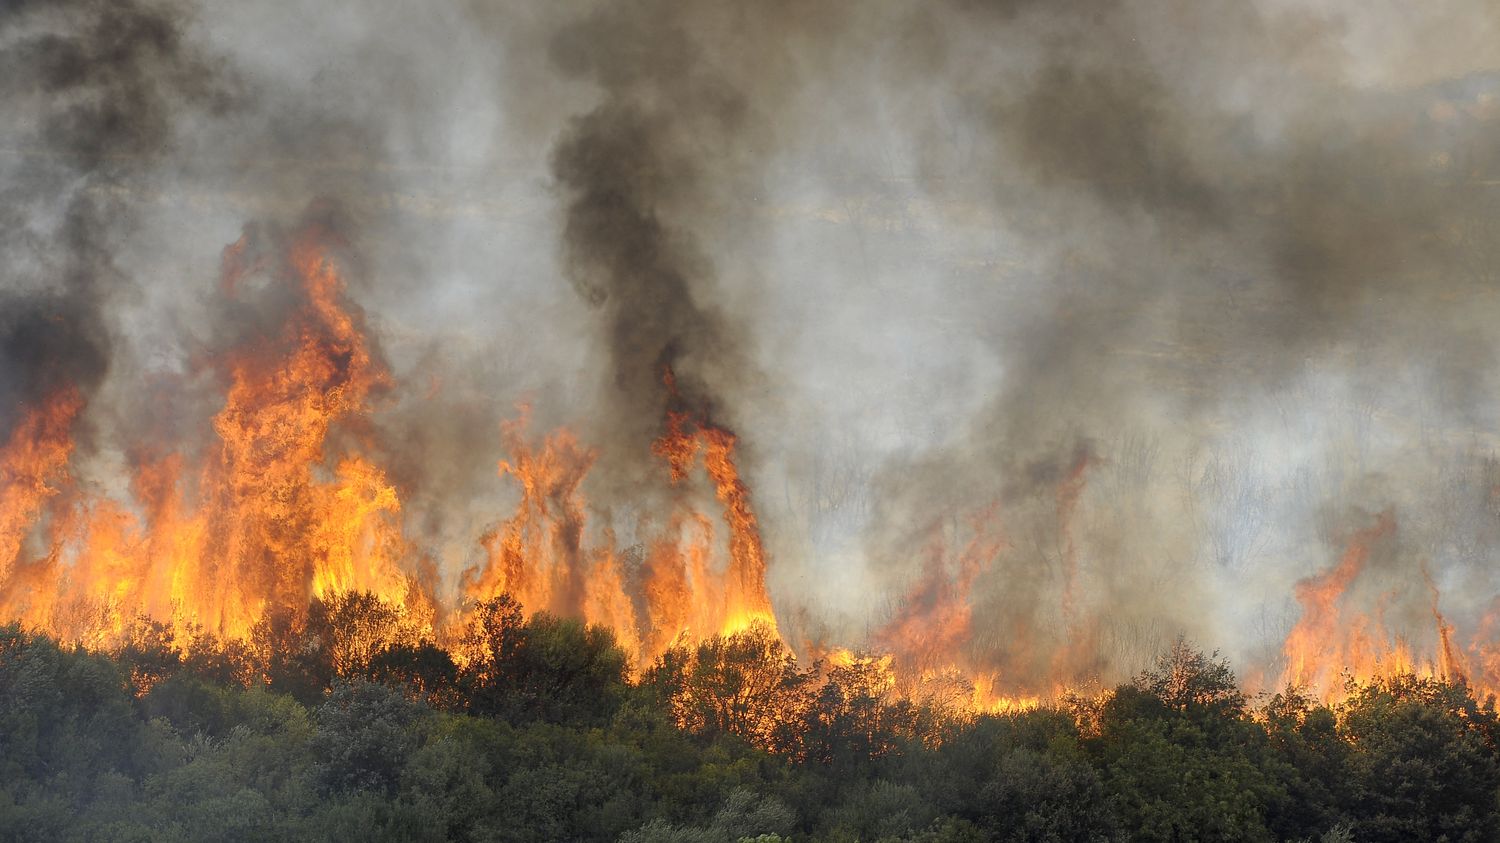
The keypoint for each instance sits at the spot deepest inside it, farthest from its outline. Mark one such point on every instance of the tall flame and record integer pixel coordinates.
(284, 504)
(546, 558)
(927, 638)
(746, 601)
(262, 525)
(1334, 642)
(32, 463)
(538, 556)
(1484, 648)
(1322, 642)
(935, 617)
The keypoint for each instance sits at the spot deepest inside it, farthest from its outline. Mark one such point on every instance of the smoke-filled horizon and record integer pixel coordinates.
(1046, 332)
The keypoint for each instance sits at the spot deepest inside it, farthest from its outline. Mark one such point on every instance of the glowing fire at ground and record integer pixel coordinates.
(285, 506)
(1335, 641)
(264, 520)
(685, 592)
(926, 637)
(259, 526)
(745, 600)
(32, 463)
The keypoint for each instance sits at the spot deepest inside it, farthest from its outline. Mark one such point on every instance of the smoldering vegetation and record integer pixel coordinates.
(1182, 294)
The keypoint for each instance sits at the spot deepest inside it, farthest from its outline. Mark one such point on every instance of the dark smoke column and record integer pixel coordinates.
(92, 92)
(636, 175)
(639, 173)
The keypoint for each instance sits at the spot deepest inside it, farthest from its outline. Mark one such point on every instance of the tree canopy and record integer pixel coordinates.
(353, 726)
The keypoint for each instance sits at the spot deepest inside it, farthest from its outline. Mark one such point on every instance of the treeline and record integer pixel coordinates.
(349, 725)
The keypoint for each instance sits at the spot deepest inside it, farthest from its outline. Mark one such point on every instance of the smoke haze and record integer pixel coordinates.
(1163, 302)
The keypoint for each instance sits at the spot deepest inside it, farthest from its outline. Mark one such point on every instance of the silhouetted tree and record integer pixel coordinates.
(746, 684)
(547, 668)
(425, 670)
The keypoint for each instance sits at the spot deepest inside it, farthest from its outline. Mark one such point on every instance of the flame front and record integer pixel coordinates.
(745, 600)
(266, 519)
(1335, 642)
(260, 525)
(539, 556)
(285, 504)
(32, 463)
(691, 584)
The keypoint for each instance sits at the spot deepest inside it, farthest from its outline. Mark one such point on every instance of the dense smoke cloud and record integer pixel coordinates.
(1221, 229)
(93, 90)
(631, 170)
(660, 184)
(1179, 296)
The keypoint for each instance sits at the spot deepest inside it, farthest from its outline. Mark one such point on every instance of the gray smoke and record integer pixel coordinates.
(93, 89)
(1216, 218)
(633, 171)
(1188, 291)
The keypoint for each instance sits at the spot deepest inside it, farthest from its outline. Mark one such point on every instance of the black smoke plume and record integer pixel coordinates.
(93, 88)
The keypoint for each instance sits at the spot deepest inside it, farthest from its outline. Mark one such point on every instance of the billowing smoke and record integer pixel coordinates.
(1175, 299)
(636, 172)
(93, 92)
(1245, 289)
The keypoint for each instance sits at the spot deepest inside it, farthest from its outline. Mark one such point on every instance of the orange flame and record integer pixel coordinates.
(258, 530)
(32, 462)
(1451, 664)
(926, 638)
(1332, 642)
(538, 555)
(541, 554)
(1484, 648)
(284, 506)
(737, 600)
(746, 600)
(1321, 644)
(934, 620)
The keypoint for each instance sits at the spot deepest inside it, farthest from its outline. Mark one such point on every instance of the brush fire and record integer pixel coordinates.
(854, 390)
(287, 503)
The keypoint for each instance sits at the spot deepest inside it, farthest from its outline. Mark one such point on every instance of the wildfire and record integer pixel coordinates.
(1334, 641)
(539, 556)
(265, 519)
(1484, 649)
(261, 524)
(746, 601)
(282, 503)
(687, 589)
(934, 620)
(32, 463)
(925, 641)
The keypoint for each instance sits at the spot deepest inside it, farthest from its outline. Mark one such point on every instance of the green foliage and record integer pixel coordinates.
(546, 668)
(1035, 796)
(539, 736)
(745, 684)
(881, 810)
(850, 719)
(1180, 756)
(1311, 759)
(365, 735)
(351, 628)
(1423, 762)
(423, 670)
(744, 816)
